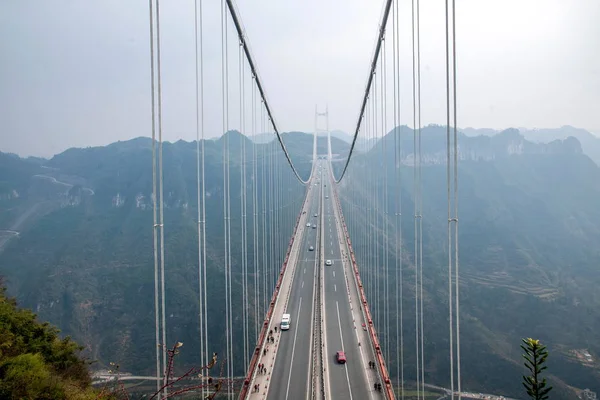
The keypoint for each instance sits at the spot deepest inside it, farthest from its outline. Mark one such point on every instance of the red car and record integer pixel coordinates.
(340, 357)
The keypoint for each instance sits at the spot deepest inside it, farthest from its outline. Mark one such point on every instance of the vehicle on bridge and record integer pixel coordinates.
(340, 356)
(314, 226)
(285, 322)
(311, 248)
(308, 224)
(328, 263)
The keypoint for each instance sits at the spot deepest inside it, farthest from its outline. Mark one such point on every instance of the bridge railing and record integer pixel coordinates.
(387, 382)
(260, 343)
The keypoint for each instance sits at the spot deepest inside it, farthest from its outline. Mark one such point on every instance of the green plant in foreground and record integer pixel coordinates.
(535, 356)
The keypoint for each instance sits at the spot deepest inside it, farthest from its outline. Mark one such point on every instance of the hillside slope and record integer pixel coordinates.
(88, 266)
(529, 228)
(529, 224)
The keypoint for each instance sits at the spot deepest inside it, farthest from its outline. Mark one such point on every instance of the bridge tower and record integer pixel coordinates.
(318, 130)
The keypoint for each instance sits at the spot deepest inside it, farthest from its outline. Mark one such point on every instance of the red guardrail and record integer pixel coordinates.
(389, 392)
(263, 332)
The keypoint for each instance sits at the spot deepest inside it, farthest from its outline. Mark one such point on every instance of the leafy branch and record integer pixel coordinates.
(535, 357)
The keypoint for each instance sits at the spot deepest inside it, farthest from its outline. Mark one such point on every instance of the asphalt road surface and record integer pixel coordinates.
(292, 373)
(347, 381)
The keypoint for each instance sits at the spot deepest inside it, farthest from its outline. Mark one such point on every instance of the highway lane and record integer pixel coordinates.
(347, 381)
(292, 374)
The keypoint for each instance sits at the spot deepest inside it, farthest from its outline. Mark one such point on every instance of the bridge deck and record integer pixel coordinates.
(288, 361)
(353, 380)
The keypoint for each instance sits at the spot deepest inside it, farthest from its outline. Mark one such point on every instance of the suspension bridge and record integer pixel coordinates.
(313, 233)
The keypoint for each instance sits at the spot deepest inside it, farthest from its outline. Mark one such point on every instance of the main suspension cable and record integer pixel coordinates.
(244, 42)
(380, 37)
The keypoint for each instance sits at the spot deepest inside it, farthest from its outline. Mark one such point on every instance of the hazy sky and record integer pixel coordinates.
(76, 73)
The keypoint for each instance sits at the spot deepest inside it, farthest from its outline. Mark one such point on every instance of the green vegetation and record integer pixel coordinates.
(34, 362)
(88, 268)
(535, 359)
(529, 229)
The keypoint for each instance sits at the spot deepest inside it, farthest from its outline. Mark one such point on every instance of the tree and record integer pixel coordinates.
(535, 356)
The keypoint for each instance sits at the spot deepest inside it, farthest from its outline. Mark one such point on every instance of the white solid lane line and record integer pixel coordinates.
(287, 391)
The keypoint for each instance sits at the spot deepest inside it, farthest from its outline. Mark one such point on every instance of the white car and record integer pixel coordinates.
(308, 224)
(328, 262)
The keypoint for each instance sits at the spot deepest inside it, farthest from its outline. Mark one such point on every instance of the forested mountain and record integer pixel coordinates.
(529, 260)
(35, 363)
(529, 228)
(86, 262)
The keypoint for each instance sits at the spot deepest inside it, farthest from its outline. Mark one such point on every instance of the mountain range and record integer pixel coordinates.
(76, 246)
(590, 143)
(529, 222)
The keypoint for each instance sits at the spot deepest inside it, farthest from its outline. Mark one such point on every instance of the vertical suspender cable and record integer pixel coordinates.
(229, 294)
(376, 188)
(420, 200)
(372, 198)
(245, 309)
(226, 195)
(395, 125)
(154, 200)
(264, 216)
(386, 278)
(160, 193)
(398, 211)
(400, 238)
(204, 265)
(364, 261)
(255, 228)
(200, 176)
(448, 185)
(449, 188)
(456, 202)
(416, 201)
(452, 184)
(202, 162)
(369, 203)
(224, 161)
(272, 220)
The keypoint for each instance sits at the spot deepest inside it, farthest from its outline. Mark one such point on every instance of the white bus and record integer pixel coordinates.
(285, 322)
